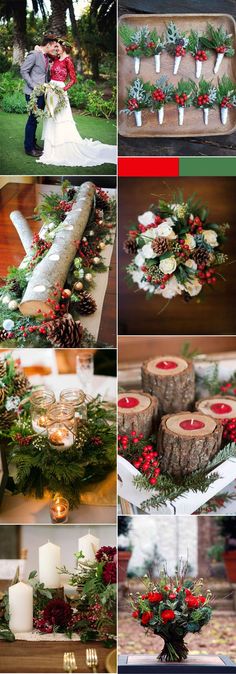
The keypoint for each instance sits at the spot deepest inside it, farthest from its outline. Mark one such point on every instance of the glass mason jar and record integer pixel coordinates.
(61, 426)
(40, 401)
(77, 398)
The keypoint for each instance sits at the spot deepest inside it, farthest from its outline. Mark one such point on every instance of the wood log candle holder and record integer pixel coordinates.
(218, 407)
(54, 267)
(187, 441)
(137, 411)
(171, 380)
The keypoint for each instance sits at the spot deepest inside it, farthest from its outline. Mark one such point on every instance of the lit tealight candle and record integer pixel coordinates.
(39, 424)
(61, 437)
(191, 424)
(128, 402)
(59, 509)
(166, 365)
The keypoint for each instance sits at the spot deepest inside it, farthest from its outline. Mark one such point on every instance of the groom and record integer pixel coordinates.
(35, 70)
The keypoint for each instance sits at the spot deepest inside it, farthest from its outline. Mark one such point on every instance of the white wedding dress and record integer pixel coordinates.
(63, 145)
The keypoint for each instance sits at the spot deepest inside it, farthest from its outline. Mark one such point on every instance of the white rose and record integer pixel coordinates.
(148, 251)
(150, 233)
(164, 229)
(169, 221)
(191, 264)
(190, 241)
(193, 287)
(139, 259)
(146, 218)
(144, 285)
(168, 265)
(210, 237)
(172, 288)
(137, 276)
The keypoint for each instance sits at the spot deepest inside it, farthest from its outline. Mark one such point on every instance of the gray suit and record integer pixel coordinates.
(34, 70)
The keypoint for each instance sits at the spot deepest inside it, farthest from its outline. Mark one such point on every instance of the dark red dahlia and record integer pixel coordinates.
(106, 553)
(109, 573)
(57, 612)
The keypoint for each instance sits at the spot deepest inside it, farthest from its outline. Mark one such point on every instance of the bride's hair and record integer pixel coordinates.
(65, 45)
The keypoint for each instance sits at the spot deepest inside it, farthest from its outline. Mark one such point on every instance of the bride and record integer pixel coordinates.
(63, 145)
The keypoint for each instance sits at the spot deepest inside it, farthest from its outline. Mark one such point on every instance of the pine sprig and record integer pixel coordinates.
(174, 38)
(218, 37)
(226, 89)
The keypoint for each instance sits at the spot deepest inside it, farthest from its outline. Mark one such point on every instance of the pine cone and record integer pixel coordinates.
(3, 336)
(71, 192)
(160, 245)
(86, 304)
(2, 395)
(130, 246)
(15, 287)
(21, 384)
(65, 332)
(7, 418)
(200, 255)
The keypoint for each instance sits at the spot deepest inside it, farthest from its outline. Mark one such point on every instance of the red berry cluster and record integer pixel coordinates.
(226, 388)
(203, 100)
(200, 55)
(132, 104)
(145, 460)
(144, 228)
(181, 100)
(225, 103)
(23, 440)
(158, 95)
(221, 50)
(102, 194)
(40, 246)
(229, 432)
(179, 50)
(64, 206)
(56, 308)
(131, 47)
(151, 45)
(195, 225)
(206, 275)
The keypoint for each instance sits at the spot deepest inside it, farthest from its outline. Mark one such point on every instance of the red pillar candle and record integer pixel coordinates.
(218, 407)
(187, 441)
(172, 380)
(137, 411)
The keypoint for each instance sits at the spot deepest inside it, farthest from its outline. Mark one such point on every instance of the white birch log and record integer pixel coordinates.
(138, 117)
(218, 62)
(177, 62)
(136, 65)
(205, 115)
(157, 58)
(55, 265)
(160, 113)
(181, 115)
(23, 230)
(198, 68)
(224, 115)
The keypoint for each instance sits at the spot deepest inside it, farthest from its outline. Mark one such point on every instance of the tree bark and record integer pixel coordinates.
(174, 392)
(19, 32)
(54, 267)
(181, 453)
(142, 419)
(58, 17)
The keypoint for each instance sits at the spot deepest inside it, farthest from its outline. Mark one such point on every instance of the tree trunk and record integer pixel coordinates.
(95, 66)
(174, 388)
(54, 267)
(182, 452)
(19, 31)
(74, 26)
(142, 418)
(58, 18)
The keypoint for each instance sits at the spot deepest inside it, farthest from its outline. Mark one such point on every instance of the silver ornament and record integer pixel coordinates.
(8, 324)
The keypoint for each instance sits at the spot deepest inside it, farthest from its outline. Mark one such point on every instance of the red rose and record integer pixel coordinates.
(144, 596)
(167, 615)
(188, 592)
(146, 617)
(192, 602)
(201, 599)
(172, 595)
(155, 597)
(166, 587)
(135, 614)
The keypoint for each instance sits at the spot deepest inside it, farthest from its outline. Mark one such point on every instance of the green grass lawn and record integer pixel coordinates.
(14, 161)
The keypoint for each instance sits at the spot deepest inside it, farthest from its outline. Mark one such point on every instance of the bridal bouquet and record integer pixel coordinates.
(170, 608)
(55, 100)
(175, 248)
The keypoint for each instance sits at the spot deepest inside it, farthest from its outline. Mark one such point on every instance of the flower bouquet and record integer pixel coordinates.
(175, 248)
(138, 99)
(226, 97)
(170, 608)
(220, 41)
(183, 95)
(205, 98)
(142, 43)
(195, 47)
(176, 44)
(161, 93)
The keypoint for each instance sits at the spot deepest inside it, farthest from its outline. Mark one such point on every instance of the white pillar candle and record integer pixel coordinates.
(23, 230)
(21, 607)
(88, 545)
(49, 561)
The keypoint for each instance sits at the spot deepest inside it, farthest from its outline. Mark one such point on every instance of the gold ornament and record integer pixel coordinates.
(67, 292)
(78, 286)
(96, 260)
(102, 245)
(88, 277)
(13, 305)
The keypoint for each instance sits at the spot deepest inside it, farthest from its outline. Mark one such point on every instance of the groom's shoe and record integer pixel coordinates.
(34, 153)
(38, 147)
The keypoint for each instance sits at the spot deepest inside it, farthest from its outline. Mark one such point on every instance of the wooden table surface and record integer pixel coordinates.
(38, 656)
(24, 198)
(212, 145)
(216, 313)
